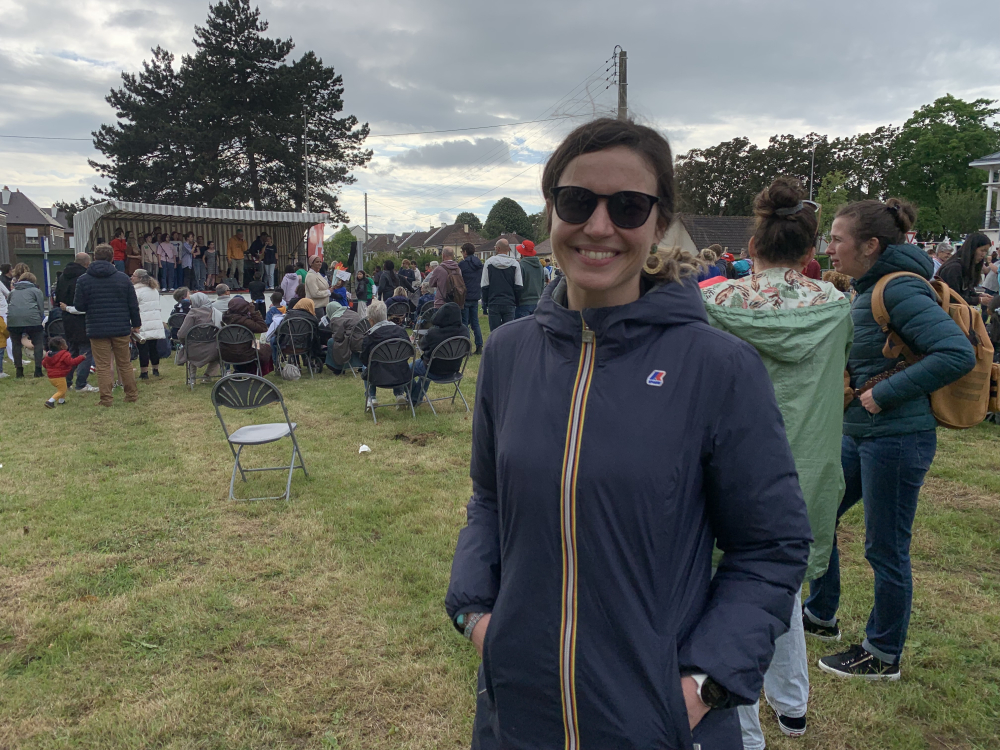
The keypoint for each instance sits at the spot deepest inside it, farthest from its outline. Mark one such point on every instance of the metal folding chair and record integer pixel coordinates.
(294, 338)
(244, 392)
(55, 328)
(449, 350)
(391, 352)
(203, 334)
(236, 335)
(399, 313)
(174, 322)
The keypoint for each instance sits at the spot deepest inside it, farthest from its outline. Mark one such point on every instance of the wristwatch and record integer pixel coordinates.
(467, 621)
(711, 693)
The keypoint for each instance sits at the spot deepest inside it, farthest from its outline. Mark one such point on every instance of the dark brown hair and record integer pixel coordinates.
(972, 272)
(887, 222)
(785, 227)
(468, 248)
(606, 133)
(57, 343)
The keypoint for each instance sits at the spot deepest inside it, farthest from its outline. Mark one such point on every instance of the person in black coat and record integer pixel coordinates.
(382, 330)
(108, 298)
(472, 275)
(388, 281)
(75, 322)
(446, 324)
(963, 272)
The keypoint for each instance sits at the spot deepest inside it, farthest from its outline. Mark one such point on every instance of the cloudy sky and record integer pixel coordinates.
(702, 71)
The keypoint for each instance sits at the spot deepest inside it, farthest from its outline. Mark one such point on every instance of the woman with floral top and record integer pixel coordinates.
(802, 329)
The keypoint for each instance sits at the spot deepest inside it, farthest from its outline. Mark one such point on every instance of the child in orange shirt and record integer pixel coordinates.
(58, 364)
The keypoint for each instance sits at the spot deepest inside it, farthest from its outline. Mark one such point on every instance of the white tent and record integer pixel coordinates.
(286, 227)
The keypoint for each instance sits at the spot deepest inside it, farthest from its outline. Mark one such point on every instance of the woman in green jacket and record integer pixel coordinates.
(802, 330)
(889, 431)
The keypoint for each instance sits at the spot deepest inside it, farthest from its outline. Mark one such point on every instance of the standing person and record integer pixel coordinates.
(6, 278)
(25, 313)
(709, 269)
(75, 322)
(147, 293)
(4, 294)
(317, 287)
(108, 298)
(168, 256)
(991, 283)
(120, 248)
(187, 261)
(889, 431)
(59, 363)
(964, 270)
(472, 274)
(148, 251)
(133, 255)
(270, 261)
(377, 274)
(584, 576)
(300, 270)
(289, 282)
(443, 281)
(211, 265)
(178, 243)
(198, 266)
(363, 289)
(533, 278)
(236, 250)
(256, 289)
(388, 280)
(501, 285)
(777, 304)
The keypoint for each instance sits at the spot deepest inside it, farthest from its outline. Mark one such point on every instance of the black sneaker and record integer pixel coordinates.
(790, 726)
(857, 662)
(821, 632)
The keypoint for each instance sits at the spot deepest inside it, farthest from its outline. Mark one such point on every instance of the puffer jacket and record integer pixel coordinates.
(592, 549)
(25, 307)
(75, 325)
(916, 317)
(149, 313)
(108, 298)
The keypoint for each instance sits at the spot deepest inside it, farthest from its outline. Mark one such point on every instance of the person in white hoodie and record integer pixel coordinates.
(147, 291)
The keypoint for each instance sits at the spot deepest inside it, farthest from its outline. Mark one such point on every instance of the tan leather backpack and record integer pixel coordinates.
(965, 402)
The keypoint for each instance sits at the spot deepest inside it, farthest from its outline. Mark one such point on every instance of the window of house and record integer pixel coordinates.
(30, 237)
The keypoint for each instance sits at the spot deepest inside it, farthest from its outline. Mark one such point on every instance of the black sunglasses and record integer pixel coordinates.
(627, 209)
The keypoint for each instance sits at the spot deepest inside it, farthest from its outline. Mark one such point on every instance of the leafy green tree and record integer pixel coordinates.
(961, 211)
(467, 217)
(338, 247)
(539, 227)
(227, 129)
(832, 194)
(507, 216)
(936, 144)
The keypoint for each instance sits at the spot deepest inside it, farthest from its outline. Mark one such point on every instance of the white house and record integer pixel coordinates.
(991, 219)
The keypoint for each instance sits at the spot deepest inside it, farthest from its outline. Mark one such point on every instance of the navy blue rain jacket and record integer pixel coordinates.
(609, 452)
(472, 275)
(108, 297)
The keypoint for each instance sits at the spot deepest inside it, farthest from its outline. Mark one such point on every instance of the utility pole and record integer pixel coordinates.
(623, 85)
(305, 141)
(812, 171)
(366, 226)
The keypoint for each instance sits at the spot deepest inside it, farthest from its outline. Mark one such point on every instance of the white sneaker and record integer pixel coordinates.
(401, 402)
(87, 389)
(370, 404)
(4, 375)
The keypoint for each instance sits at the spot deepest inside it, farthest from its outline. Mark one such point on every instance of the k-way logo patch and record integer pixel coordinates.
(656, 378)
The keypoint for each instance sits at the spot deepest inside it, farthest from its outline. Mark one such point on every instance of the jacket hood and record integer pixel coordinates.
(27, 285)
(503, 261)
(784, 335)
(897, 258)
(73, 270)
(625, 327)
(473, 260)
(448, 316)
(531, 260)
(102, 269)
(451, 265)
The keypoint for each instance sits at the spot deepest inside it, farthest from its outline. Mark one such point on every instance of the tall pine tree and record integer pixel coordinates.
(227, 129)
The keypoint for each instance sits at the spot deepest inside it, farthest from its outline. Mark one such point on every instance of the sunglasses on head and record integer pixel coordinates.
(627, 209)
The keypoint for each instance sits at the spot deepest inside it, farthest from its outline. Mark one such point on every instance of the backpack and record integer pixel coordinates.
(965, 402)
(454, 288)
(290, 372)
(741, 268)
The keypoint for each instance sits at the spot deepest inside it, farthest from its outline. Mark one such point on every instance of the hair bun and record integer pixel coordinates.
(903, 213)
(784, 192)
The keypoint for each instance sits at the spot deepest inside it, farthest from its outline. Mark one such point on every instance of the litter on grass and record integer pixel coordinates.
(364, 449)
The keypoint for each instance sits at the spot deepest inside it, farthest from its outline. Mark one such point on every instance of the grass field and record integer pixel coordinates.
(140, 608)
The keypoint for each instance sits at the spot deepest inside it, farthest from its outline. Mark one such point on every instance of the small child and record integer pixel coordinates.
(276, 307)
(58, 363)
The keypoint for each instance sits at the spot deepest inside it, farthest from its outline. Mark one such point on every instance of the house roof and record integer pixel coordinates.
(993, 160)
(414, 240)
(59, 214)
(380, 243)
(22, 210)
(544, 247)
(732, 232)
(453, 234)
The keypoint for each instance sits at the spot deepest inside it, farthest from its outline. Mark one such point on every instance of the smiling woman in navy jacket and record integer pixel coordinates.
(616, 437)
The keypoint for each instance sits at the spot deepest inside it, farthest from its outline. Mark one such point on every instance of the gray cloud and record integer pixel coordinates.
(481, 151)
(135, 18)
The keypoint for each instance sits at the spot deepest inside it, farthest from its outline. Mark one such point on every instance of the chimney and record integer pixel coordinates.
(55, 212)
(6, 195)
(466, 228)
